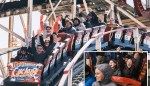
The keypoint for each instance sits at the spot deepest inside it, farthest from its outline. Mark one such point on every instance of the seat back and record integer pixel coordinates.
(143, 35)
(78, 40)
(143, 71)
(118, 37)
(95, 30)
(65, 36)
(54, 54)
(60, 53)
(87, 33)
(106, 37)
(146, 41)
(128, 37)
(51, 63)
(47, 65)
(102, 28)
(67, 42)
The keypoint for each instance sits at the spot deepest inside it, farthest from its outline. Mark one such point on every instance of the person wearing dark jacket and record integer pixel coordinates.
(92, 20)
(78, 24)
(48, 43)
(23, 55)
(137, 60)
(87, 23)
(103, 74)
(40, 54)
(48, 32)
(68, 28)
(129, 69)
(89, 76)
(114, 66)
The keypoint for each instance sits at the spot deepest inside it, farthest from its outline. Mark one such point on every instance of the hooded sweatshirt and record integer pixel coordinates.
(107, 72)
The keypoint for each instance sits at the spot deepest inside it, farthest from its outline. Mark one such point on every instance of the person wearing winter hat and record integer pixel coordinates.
(103, 74)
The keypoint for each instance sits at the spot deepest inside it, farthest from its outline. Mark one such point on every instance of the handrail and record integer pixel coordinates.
(79, 53)
(2, 52)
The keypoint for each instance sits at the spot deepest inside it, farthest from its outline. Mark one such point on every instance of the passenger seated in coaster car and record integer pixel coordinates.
(78, 24)
(115, 68)
(41, 52)
(103, 74)
(23, 55)
(68, 28)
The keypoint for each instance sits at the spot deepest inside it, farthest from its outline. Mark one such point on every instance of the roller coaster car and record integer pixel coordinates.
(123, 81)
(23, 72)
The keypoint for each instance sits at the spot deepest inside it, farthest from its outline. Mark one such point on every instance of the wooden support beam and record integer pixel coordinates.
(86, 7)
(12, 33)
(52, 11)
(3, 68)
(119, 19)
(29, 21)
(6, 50)
(10, 37)
(23, 25)
(74, 9)
(147, 4)
(127, 14)
(112, 14)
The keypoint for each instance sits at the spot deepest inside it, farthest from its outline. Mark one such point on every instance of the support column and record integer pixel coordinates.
(112, 14)
(24, 26)
(98, 43)
(74, 9)
(51, 20)
(148, 4)
(85, 5)
(119, 18)
(70, 77)
(2, 68)
(29, 21)
(10, 37)
(52, 9)
(136, 39)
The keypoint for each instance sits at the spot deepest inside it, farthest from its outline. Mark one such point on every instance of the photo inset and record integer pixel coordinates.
(115, 68)
(148, 72)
